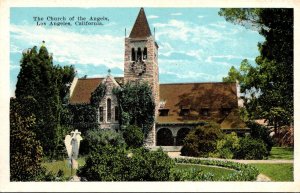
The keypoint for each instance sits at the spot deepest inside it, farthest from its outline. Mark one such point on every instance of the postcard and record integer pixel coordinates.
(115, 96)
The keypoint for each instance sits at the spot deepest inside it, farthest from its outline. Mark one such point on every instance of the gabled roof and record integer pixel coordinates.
(141, 27)
(84, 88)
(111, 79)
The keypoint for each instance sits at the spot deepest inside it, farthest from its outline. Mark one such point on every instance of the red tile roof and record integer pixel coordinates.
(141, 27)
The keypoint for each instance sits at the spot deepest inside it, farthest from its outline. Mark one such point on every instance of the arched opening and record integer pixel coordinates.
(181, 134)
(132, 54)
(116, 113)
(139, 54)
(108, 110)
(145, 54)
(164, 137)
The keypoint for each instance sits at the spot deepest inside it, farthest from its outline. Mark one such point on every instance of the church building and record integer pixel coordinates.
(179, 106)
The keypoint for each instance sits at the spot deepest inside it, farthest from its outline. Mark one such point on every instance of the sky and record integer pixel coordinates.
(195, 44)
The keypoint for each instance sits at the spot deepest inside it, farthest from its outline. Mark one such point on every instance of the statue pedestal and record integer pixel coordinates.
(75, 179)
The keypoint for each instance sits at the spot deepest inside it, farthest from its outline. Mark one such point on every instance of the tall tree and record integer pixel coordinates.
(271, 81)
(25, 150)
(47, 85)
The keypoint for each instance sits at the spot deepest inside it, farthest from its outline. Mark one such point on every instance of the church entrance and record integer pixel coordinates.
(164, 137)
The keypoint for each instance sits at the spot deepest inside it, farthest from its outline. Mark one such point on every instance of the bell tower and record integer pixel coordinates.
(141, 62)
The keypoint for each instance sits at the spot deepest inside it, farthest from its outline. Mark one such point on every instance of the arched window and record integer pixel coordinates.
(132, 54)
(116, 113)
(108, 110)
(145, 54)
(139, 54)
(101, 114)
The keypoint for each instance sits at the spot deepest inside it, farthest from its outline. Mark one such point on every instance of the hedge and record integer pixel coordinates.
(243, 172)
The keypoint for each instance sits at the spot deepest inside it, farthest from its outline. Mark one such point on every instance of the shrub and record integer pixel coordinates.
(159, 165)
(201, 140)
(117, 164)
(191, 174)
(133, 136)
(227, 145)
(148, 165)
(258, 131)
(251, 149)
(96, 139)
(106, 164)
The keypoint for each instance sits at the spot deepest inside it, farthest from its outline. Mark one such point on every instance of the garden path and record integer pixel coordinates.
(263, 178)
(177, 155)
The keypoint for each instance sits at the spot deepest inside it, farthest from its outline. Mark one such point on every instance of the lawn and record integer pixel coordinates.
(55, 166)
(286, 153)
(63, 165)
(277, 172)
(217, 171)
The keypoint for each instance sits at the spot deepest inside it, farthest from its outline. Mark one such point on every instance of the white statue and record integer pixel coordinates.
(72, 143)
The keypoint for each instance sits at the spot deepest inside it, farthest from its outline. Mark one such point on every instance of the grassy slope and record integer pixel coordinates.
(55, 166)
(286, 153)
(277, 172)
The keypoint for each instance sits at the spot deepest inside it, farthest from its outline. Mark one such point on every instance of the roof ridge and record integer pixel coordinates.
(90, 78)
(99, 77)
(197, 83)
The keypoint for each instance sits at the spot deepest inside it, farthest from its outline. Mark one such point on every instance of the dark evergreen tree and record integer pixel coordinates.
(47, 85)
